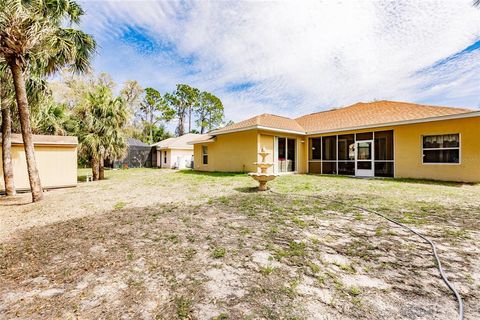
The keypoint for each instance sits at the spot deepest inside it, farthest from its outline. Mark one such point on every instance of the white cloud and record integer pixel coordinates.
(300, 56)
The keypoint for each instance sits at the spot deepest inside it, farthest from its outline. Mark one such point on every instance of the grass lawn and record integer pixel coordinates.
(160, 244)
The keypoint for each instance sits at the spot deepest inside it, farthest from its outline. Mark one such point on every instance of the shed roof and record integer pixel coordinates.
(45, 140)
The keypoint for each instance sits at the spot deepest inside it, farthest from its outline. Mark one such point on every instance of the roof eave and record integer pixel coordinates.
(174, 148)
(257, 127)
(404, 122)
(202, 141)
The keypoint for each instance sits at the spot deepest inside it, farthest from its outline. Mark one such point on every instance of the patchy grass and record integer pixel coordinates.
(119, 205)
(217, 250)
(184, 307)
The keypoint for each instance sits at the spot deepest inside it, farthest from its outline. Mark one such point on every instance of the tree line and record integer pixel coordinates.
(195, 111)
(35, 44)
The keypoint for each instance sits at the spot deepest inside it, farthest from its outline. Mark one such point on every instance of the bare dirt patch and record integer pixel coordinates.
(130, 188)
(252, 256)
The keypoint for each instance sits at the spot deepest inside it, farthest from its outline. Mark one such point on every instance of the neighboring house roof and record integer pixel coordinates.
(136, 143)
(39, 139)
(181, 142)
(359, 115)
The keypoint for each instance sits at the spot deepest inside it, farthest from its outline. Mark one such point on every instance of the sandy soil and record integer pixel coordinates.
(135, 188)
(235, 255)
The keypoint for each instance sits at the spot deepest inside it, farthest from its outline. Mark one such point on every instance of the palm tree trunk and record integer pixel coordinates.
(95, 168)
(6, 149)
(101, 169)
(24, 115)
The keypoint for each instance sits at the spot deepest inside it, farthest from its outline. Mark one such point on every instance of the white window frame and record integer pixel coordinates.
(276, 165)
(459, 148)
(204, 153)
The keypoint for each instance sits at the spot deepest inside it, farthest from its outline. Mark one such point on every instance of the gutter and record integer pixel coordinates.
(367, 126)
(173, 148)
(48, 144)
(257, 127)
(213, 139)
(472, 114)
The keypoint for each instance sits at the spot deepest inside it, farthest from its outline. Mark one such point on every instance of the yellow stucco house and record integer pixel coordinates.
(377, 139)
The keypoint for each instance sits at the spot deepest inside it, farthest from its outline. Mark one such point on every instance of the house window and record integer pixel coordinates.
(165, 157)
(205, 154)
(441, 148)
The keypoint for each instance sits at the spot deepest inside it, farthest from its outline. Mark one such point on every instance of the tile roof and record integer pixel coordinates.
(357, 115)
(178, 142)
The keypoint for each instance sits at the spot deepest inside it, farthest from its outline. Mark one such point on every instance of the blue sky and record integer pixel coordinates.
(290, 58)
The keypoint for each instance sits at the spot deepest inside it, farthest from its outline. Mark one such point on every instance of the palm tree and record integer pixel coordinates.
(113, 138)
(5, 103)
(101, 119)
(476, 3)
(36, 90)
(32, 38)
(52, 118)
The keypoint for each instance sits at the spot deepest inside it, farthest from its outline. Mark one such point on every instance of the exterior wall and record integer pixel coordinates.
(184, 155)
(236, 152)
(233, 152)
(57, 166)
(158, 159)
(172, 158)
(408, 153)
(164, 164)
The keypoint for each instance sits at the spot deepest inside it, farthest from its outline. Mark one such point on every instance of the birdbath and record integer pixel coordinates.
(263, 177)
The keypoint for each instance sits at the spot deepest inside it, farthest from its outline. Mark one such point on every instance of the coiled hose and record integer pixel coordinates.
(430, 242)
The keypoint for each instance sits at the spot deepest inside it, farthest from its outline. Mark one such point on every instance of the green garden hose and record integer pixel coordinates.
(430, 242)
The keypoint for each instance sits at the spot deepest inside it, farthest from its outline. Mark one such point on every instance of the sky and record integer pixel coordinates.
(293, 57)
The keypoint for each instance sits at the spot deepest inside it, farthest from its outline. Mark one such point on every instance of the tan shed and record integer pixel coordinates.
(56, 158)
